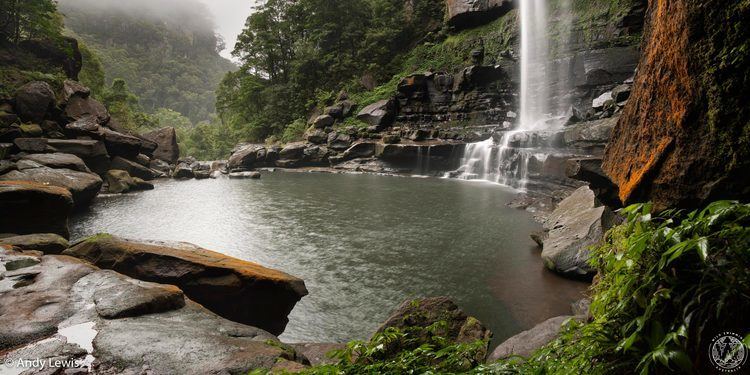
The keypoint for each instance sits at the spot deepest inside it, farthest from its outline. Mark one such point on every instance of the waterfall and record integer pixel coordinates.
(506, 160)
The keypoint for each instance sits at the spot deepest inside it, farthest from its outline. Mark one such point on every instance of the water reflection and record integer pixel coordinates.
(362, 244)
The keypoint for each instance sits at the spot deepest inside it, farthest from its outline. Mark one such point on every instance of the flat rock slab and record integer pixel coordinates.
(48, 243)
(59, 160)
(235, 289)
(136, 298)
(83, 186)
(66, 298)
(29, 207)
(527, 342)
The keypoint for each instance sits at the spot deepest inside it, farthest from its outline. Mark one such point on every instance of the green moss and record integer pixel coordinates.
(98, 237)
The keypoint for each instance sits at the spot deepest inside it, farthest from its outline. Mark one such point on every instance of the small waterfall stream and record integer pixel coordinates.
(506, 161)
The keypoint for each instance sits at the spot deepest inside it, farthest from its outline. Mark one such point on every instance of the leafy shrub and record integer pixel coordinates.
(667, 285)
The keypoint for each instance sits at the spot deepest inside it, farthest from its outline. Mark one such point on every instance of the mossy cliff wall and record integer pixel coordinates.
(684, 137)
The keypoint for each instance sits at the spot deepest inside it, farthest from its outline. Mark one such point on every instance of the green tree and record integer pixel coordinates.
(29, 19)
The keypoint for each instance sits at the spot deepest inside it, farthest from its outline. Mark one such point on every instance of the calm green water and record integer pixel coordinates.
(362, 243)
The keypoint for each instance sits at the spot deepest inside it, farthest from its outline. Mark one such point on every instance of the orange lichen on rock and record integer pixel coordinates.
(682, 139)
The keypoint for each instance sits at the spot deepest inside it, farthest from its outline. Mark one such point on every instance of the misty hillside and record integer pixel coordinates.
(166, 51)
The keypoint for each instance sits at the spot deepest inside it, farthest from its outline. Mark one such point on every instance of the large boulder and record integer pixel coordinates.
(48, 243)
(73, 88)
(293, 151)
(34, 100)
(166, 141)
(30, 207)
(577, 223)
(82, 311)
(323, 121)
(526, 343)
(58, 160)
(379, 114)
(80, 107)
(235, 289)
(246, 157)
(92, 152)
(134, 169)
(360, 150)
(684, 135)
(470, 13)
(119, 144)
(119, 181)
(83, 186)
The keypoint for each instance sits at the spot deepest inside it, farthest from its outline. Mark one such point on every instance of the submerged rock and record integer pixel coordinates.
(238, 290)
(577, 223)
(30, 207)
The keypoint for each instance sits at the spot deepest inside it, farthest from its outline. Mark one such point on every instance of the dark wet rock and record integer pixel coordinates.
(621, 93)
(183, 171)
(30, 207)
(8, 119)
(589, 169)
(59, 160)
(323, 121)
(317, 136)
(140, 184)
(31, 145)
(592, 135)
(201, 174)
(134, 169)
(293, 151)
(86, 125)
(118, 181)
(119, 144)
(246, 157)
(339, 141)
(48, 243)
(135, 298)
(316, 155)
(577, 223)
(73, 88)
(219, 166)
(78, 108)
(83, 186)
(391, 138)
(470, 13)
(424, 312)
(238, 290)
(166, 141)
(7, 166)
(34, 100)
(160, 166)
(240, 175)
(143, 160)
(360, 150)
(527, 342)
(315, 354)
(92, 152)
(379, 114)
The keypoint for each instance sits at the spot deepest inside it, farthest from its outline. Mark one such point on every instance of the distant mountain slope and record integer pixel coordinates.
(167, 51)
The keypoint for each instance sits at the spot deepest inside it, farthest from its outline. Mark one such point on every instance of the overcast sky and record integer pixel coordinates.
(230, 18)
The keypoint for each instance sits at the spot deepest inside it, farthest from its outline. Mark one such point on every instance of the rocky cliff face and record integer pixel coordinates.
(684, 137)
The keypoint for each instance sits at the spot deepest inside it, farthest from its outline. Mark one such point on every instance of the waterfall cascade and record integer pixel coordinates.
(506, 159)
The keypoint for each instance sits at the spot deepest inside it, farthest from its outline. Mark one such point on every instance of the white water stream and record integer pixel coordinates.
(507, 161)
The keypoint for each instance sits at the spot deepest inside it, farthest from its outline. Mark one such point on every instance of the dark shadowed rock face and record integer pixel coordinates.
(683, 138)
(166, 141)
(238, 290)
(30, 207)
(470, 13)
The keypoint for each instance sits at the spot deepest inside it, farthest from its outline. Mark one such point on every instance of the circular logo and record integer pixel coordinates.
(727, 352)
